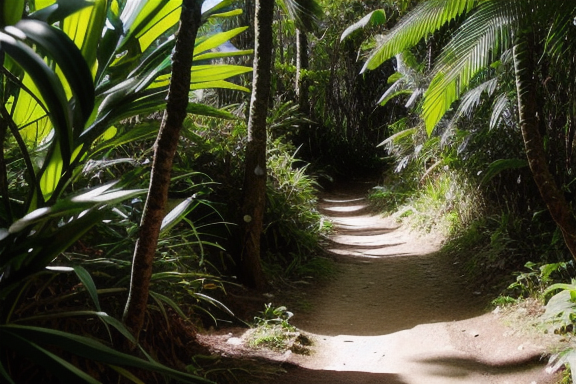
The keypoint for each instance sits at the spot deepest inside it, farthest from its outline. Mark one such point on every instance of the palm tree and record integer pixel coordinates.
(489, 28)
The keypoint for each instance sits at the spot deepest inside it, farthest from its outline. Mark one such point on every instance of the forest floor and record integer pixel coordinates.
(398, 312)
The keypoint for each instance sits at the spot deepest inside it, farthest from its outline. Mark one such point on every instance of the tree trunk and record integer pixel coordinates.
(255, 173)
(302, 63)
(164, 151)
(553, 197)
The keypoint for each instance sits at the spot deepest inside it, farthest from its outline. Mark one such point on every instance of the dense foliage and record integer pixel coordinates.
(429, 94)
(487, 145)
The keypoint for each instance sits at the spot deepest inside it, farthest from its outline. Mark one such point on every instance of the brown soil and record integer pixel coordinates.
(399, 313)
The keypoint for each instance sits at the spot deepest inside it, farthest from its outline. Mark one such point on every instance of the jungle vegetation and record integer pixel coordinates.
(159, 154)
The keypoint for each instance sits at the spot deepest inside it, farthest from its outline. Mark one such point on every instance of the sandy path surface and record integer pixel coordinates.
(396, 313)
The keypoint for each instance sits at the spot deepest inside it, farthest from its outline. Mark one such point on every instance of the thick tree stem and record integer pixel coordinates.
(164, 151)
(255, 174)
(527, 107)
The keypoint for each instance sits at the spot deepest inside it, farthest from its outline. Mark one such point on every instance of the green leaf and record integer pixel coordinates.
(139, 132)
(501, 165)
(49, 88)
(555, 287)
(203, 73)
(127, 374)
(306, 14)
(206, 14)
(59, 10)
(85, 29)
(560, 308)
(217, 40)
(501, 104)
(116, 324)
(374, 18)
(397, 89)
(162, 298)
(221, 84)
(399, 136)
(213, 301)
(148, 20)
(220, 55)
(75, 204)
(473, 97)
(232, 13)
(51, 173)
(64, 52)
(205, 110)
(567, 357)
(177, 214)
(88, 283)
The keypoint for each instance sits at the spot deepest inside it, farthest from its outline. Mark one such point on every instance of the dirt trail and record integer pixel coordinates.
(396, 313)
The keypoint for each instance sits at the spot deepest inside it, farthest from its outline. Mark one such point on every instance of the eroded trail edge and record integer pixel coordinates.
(398, 313)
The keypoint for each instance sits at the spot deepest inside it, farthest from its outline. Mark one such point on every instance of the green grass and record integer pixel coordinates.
(443, 202)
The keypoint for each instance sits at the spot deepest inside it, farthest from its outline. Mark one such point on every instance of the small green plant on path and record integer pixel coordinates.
(272, 328)
(273, 331)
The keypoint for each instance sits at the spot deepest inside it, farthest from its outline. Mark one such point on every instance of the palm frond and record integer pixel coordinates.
(425, 19)
(306, 13)
(377, 17)
(478, 42)
(560, 37)
(473, 98)
(408, 79)
(500, 106)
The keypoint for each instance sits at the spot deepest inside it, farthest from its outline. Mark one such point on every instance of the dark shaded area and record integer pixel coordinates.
(451, 366)
(392, 294)
(444, 366)
(298, 375)
(366, 232)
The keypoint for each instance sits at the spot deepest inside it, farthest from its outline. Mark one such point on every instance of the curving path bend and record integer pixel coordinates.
(396, 313)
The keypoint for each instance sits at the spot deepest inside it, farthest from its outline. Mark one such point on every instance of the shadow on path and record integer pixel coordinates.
(299, 375)
(398, 312)
(450, 366)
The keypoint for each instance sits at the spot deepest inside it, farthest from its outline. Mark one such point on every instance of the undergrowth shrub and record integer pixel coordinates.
(495, 247)
(427, 189)
(292, 225)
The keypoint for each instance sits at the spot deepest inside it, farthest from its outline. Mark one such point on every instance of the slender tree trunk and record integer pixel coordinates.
(302, 63)
(529, 124)
(164, 151)
(255, 173)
